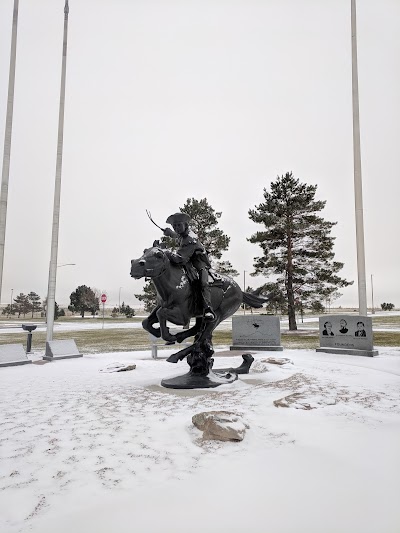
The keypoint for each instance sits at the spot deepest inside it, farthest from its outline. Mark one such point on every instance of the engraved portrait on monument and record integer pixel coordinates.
(328, 329)
(360, 330)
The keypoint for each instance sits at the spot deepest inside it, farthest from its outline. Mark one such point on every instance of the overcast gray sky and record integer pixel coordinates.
(167, 100)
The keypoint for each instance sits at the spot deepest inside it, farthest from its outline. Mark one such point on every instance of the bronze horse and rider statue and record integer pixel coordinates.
(187, 287)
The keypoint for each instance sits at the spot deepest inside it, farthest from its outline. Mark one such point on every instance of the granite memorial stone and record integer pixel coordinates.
(261, 332)
(347, 334)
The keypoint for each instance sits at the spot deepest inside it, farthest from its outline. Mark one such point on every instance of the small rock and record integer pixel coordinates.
(220, 425)
(258, 368)
(282, 402)
(277, 360)
(299, 400)
(128, 367)
(118, 367)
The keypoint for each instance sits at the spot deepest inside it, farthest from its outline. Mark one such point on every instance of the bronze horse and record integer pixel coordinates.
(177, 302)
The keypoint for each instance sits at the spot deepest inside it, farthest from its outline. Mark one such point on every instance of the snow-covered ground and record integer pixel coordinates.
(86, 451)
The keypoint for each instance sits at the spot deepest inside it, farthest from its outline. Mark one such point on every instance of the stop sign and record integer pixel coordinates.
(103, 298)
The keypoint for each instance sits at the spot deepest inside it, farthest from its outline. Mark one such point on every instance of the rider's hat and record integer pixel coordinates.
(177, 217)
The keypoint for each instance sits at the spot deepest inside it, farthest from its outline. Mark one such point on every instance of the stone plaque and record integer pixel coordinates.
(61, 350)
(262, 332)
(351, 334)
(13, 355)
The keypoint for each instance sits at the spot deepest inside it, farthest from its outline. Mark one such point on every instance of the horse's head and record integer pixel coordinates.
(151, 265)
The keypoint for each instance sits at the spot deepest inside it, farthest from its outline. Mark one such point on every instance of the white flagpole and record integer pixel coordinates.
(7, 141)
(51, 293)
(362, 284)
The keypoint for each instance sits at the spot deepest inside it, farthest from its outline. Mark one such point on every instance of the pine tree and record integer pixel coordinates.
(296, 244)
(129, 311)
(83, 299)
(8, 310)
(204, 222)
(58, 311)
(276, 297)
(21, 304)
(35, 302)
(148, 297)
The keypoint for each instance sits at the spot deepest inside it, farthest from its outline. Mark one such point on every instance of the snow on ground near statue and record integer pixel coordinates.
(82, 450)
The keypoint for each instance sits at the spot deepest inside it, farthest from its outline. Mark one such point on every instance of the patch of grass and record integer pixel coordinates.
(21, 320)
(387, 338)
(99, 319)
(70, 319)
(101, 340)
(295, 341)
(223, 336)
(88, 341)
(122, 340)
(393, 320)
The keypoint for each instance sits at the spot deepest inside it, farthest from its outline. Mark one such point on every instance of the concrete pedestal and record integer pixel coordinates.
(365, 353)
(258, 348)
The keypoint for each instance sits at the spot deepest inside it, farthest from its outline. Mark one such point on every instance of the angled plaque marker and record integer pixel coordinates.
(13, 355)
(63, 349)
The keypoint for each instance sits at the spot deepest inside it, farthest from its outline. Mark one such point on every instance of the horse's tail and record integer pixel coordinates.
(252, 300)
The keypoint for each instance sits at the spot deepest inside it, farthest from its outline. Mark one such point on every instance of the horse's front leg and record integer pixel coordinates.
(182, 335)
(148, 322)
(164, 331)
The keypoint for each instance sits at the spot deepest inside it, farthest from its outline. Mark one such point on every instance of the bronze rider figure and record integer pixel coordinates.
(190, 252)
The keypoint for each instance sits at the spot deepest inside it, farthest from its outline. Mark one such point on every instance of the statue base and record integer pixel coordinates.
(192, 381)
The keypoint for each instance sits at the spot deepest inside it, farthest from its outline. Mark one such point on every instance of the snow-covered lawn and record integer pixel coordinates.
(87, 451)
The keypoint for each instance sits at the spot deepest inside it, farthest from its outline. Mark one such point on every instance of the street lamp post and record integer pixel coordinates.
(12, 290)
(47, 297)
(119, 300)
